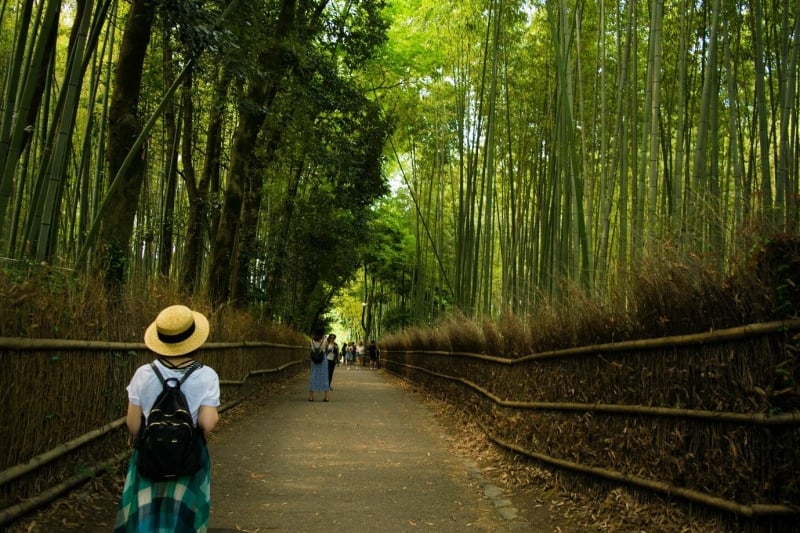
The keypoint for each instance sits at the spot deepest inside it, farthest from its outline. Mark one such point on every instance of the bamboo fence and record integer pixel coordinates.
(579, 409)
(63, 400)
(703, 417)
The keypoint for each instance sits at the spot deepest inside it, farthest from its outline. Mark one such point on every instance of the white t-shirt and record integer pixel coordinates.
(330, 349)
(202, 387)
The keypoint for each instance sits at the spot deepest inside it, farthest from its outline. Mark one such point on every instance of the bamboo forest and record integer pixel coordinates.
(393, 160)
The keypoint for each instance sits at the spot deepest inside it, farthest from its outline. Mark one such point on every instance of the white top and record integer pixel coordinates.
(202, 387)
(330, 350)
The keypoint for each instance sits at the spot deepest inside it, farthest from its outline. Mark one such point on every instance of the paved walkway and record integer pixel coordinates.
(372, 459)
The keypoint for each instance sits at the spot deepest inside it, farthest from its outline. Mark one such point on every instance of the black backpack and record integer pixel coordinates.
(317, 355)
(169, 443)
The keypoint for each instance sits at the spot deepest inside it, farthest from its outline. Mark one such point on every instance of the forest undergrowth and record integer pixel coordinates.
(56, 304)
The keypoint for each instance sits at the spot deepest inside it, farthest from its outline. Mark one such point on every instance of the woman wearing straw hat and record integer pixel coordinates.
(181, 503)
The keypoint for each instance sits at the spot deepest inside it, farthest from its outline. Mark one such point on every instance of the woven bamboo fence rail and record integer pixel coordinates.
(609, 377)
(56, 463)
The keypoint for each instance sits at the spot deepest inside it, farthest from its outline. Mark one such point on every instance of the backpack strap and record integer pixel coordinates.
(194, 366)
(154, 366)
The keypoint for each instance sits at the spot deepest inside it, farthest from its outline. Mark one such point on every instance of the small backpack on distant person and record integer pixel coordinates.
(317, 355)
(168, 443)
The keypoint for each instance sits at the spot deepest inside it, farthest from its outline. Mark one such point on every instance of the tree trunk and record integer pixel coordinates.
(260, 95)
(116, 228)
(198, 193)
(248, 245)
(222, 250)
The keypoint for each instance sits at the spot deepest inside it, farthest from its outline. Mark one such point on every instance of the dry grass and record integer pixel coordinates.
(55, 304)
(666, 296)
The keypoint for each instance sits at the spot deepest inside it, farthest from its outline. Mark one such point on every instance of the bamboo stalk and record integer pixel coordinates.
(648, 484)
(722, 335)
(653, 485)
(10, 513)
(278, 369)
(229, 405)
(59, 451)
(281, 368)
(787, 419)
(710, 337)
(25, 344)
(40, 460)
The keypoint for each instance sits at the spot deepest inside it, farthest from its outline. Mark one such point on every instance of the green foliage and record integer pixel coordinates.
(327, 173)
(193, 23)
(518, 127)
(362, 29)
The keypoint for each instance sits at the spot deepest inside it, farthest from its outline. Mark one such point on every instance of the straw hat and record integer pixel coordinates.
(177, 330)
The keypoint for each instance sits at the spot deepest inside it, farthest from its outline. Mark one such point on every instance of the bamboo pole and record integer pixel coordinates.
(59, 451)
(652, 485)
(25, 344)
(762, 419)
(10, 513)
(709, 337)
(613, 475)
(42, 459)
(232, 382)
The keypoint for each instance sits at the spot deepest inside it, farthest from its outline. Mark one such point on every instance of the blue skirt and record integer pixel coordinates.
(319, 377)
(180, 505)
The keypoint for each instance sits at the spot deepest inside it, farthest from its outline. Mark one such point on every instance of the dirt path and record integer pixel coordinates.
(374, 457)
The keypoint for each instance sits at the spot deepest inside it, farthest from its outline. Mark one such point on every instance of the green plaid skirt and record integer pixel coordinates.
(181, 505)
